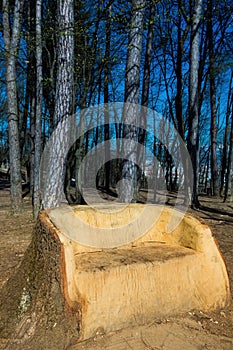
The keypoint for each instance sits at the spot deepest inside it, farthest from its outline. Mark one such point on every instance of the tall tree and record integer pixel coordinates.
(106, 95)
(148, 57)
(226, 138)
(146, 82)
(53, 193)
(129, 190)
(178, 70)
(11, 44)
(228, 190)
(38, 123)
(193, 116)
(213, 104)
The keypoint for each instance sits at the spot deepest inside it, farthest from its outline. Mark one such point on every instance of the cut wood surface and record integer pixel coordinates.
(155, 275)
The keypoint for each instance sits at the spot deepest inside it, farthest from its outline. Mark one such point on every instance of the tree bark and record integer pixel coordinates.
(53, 194)
(146, 80)
(106, 97)
(228, 190)
(193, 118)
(38, 123)
(129, 190)
(148, 58)
(226, 138)
(213, 107)
(178, 69)
(11, 43)
(32, 144)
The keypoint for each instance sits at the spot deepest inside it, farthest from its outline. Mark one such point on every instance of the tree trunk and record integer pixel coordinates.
(148, 58)
(213, 107)
(226, 137)
(179, 84)
(31, 78)
(53, 194)
(193, 119)
(178, 69)
(32, 144)
(106, 98)
(11, 43)
(38, 123)
(129, 190)
(228, 190)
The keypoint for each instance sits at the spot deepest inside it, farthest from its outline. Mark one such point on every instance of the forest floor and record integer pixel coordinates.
(194, 330)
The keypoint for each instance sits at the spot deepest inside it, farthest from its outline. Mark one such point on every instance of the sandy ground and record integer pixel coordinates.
(194, 330)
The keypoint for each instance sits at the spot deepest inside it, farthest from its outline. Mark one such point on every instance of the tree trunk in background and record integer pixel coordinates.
(193, 118)
(11, 43)
(213, 107)
(38, 123)
(129, 190)
(179, 83)
(107, 59)
(146, 89)
(148, 58)
(53, 193)
(226, 139)
(228, 190)
(179, 74)
(28, 109)
(32, 144)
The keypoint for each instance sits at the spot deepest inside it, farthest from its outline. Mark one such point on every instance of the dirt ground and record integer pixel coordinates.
(194, 330)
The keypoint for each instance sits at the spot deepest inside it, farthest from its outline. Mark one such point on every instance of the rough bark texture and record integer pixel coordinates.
(148, 58)
(179, 72)
(132, 85)
(193, 120)
(226, 139)
(213, 104)
(11, 43)
(107, 59)
(38, 123)
(63, 104)
(228, 190)
(38, 315)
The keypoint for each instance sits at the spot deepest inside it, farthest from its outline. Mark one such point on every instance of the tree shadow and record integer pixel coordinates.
(212, 212)
(4, 184)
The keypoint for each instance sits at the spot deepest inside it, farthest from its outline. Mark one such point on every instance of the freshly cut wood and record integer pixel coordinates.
(150, 277)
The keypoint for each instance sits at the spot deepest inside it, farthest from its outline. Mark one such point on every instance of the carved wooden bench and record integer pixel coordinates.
(148, 277)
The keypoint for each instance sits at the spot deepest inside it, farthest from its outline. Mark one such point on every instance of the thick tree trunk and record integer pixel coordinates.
(53, 193)
(11, 43)
(129, 189)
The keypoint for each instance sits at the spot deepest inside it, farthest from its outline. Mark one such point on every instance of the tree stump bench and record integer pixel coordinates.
(151, 277)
